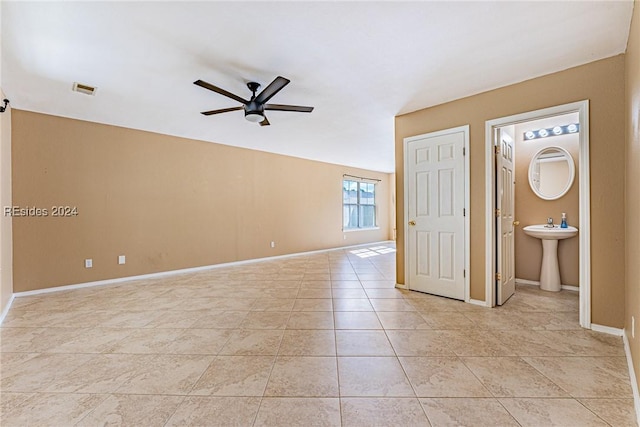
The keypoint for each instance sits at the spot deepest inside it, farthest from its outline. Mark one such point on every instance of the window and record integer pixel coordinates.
(358, 204)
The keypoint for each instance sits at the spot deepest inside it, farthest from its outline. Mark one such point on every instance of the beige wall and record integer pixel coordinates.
(602, 83)
(6, 259)
(632, 209)
(164, 202)
(530, 209)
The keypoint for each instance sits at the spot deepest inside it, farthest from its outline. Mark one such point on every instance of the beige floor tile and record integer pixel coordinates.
(349, 293)
(617, 412)
(402, 320)
(265, 320)
(442, 377)
(357, 320)
(10, 401)
(382, 412)
(104, 373)
(447, 320)
(476, 412)
(311, 320)
(385, 293)
(373, 376)
(52, 409)
(253, 342)
(313, 304)
(363, 343)
(235, 376)
(345, 284)
(35, 340)
(551, 412)
(132, 410)
(315, 293)
(303, 377)
(315, 284)
(586, 376)
(298, 412)
(391, 304)
(37, 372)
(419, 343)
(215, 411)
(273, 304)
(586, 343)
(220, 319)
(166, 374)
(199, 341)
(512, 377)
(308, 343)
(146, 341)
(378, 284)
(352, 304)
(530, 343)
(471, 343)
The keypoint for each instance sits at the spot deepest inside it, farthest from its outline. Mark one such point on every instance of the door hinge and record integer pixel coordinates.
(497, 149)
(497, 213)
(498, 276)
(464, 273)
(464, 151)
(464, 212)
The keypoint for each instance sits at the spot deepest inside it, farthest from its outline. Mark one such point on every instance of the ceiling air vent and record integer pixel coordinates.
(86, 89)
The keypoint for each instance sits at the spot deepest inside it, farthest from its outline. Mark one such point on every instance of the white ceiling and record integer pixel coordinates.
(358, 63)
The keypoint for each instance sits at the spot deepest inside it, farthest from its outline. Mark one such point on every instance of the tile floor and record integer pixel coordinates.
(314, 340)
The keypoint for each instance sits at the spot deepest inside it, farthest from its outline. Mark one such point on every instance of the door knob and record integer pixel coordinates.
(412, 223)
(516, 223)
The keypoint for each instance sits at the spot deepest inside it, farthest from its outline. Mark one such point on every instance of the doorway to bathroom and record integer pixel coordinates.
(540, 135)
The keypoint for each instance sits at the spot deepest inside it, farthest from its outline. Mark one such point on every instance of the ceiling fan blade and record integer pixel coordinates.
(223, 110)
(216, 89)
(279, 107)
(265, 122)
(273, 88)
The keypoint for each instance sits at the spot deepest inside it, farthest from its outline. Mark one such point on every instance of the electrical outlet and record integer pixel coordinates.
(121, 259)
(88, 263)
(344, 237)
(273, 244)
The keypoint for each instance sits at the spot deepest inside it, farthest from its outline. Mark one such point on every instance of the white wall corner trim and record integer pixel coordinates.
(632, 377)
(607, 330)
(6, 308)
(478, 302)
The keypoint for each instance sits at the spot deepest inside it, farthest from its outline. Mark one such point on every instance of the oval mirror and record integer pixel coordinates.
(551, 173)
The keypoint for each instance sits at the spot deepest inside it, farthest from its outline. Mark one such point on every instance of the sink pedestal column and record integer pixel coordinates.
(550, 272)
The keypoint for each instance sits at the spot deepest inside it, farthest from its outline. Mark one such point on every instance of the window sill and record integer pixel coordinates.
(349, 230)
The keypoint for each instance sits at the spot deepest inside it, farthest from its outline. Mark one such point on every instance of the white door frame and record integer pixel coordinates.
(467, 193)
(582, 108)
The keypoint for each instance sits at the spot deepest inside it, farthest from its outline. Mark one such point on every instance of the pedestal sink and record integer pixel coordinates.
(550, 272)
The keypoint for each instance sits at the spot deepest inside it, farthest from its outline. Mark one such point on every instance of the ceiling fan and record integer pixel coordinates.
(255, 107)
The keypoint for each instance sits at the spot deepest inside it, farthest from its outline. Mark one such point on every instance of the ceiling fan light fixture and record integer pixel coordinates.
(254, 116)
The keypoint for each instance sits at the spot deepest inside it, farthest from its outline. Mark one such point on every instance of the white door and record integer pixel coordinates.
(505, 221)
(435, 229)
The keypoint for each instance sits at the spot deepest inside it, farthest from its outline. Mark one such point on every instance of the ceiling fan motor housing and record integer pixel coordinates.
(254, 112)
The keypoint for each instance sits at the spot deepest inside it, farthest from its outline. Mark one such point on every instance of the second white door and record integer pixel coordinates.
(435, 229)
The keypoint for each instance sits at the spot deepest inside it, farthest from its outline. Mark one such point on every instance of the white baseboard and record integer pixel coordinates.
(632, 377)
(5, 311)
(607, 330)
(401, 286)
(477, 302)
(186, 270)
(535, 283)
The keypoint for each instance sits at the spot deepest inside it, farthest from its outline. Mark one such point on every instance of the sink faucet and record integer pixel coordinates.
(549, 222)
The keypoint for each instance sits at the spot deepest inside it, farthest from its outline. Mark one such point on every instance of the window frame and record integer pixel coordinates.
(359, 205)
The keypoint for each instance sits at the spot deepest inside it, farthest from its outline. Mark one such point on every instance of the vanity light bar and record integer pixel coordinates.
(554, 131)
